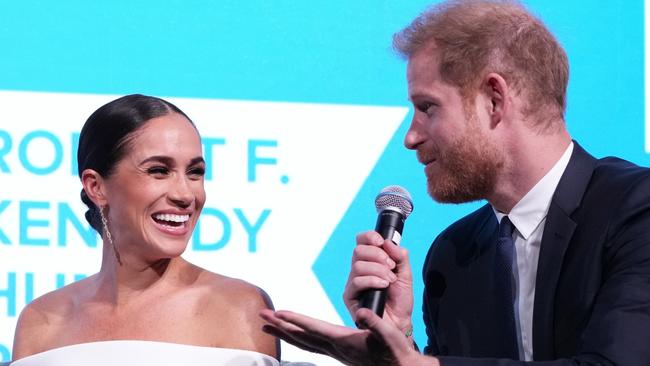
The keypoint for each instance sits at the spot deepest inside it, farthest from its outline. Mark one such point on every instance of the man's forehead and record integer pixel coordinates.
(424, 80)
(423, 58)
(422, 68)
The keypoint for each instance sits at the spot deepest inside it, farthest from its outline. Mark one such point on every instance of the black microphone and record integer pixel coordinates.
(393, 205)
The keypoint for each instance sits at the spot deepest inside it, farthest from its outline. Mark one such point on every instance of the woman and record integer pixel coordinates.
(141, 167)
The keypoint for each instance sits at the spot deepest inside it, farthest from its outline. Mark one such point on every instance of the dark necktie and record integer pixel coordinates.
(504, 287)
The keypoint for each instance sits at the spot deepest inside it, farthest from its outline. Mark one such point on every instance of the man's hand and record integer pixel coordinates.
(380, 264)
(379, 343)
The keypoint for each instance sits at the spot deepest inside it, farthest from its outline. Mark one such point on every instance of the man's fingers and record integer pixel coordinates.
(361, 269)
(321, 329)
(342, 342)
(369, 238)
(369, 253)
(309, 324)
(401, 258)
(300, 343)
(385, 331)
(270, 317)
(293, 333)
(360, 284)
(298, 324)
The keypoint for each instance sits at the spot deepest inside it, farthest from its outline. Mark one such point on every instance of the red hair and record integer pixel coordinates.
(477, 37)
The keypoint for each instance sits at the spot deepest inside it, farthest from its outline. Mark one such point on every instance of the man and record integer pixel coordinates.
(555, 268)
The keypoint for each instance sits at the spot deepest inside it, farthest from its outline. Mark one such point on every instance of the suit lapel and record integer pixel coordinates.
(558, 231)
(557, 235)
(487, 234)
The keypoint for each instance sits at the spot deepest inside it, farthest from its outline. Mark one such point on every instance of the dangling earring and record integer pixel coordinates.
(109, 237)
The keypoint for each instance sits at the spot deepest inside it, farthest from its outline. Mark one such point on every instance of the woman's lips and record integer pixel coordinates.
(172, 225)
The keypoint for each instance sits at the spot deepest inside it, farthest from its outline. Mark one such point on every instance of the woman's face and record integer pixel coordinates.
(156, 192)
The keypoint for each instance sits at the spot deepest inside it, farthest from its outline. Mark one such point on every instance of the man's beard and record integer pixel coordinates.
(468, 168)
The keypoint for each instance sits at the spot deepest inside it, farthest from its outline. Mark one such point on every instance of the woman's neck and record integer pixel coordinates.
(124, 278)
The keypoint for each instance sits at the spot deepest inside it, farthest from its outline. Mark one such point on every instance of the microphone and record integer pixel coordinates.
(393, 205)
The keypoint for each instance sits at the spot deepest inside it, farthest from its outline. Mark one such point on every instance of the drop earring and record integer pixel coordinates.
(109, 237)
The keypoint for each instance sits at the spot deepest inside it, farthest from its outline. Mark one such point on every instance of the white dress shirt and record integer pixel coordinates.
(529, 217)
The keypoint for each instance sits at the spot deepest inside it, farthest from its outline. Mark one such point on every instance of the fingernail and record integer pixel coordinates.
(392, 276)
(362, 324)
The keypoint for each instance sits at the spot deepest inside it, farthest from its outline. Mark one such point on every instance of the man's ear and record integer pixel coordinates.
(496, 90)
(95, 187)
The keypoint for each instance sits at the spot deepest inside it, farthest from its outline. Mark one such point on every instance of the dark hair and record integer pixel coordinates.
(105, 137)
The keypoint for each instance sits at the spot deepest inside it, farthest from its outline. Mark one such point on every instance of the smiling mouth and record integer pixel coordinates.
(171, 219)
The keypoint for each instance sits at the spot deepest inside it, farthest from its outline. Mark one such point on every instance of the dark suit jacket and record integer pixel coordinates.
(592, 294)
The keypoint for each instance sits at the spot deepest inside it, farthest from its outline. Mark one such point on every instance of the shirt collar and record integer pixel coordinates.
(529, 212)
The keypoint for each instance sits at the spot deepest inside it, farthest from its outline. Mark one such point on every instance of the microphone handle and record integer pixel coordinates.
(389, 225)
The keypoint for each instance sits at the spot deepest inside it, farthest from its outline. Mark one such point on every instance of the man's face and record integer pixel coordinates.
(450, 135)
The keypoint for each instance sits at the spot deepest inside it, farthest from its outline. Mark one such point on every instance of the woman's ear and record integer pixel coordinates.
(95, 187)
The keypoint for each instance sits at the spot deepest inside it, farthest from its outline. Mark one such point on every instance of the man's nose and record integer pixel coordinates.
(414, 135)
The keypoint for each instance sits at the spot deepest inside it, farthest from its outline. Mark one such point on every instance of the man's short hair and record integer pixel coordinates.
(475, 37)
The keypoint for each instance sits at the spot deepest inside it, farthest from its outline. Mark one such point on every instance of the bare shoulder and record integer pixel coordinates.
(233, 297)
(40, 322)
(240, 292)
(235, 305)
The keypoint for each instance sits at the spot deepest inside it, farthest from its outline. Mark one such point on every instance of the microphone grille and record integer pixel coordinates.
(396, 198)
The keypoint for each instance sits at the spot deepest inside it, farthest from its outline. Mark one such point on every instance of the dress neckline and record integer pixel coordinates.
(144, 352)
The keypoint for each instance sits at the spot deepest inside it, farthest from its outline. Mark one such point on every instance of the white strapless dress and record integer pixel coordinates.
(144, 353)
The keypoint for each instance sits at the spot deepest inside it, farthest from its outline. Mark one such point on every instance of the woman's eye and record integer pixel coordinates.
(196, 172)
(158, 170)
